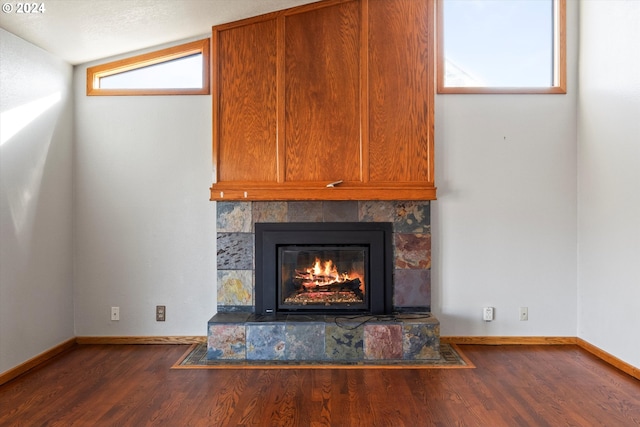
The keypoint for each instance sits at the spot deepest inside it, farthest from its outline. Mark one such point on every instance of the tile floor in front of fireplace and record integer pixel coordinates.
(363, 338)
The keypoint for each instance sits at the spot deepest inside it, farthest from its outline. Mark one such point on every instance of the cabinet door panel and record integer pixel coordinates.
(322, 94)
(247, 117)
(399, 92)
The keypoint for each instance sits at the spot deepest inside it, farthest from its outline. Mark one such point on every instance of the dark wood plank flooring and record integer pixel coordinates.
(132, 385)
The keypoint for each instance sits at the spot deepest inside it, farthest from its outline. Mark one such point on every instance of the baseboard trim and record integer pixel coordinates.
(596, 351)
(488, 340)
(142, 340)
(471, 340)
(610, 359)
(37, 360)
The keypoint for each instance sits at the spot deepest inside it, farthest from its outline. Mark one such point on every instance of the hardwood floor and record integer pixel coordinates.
(132, 385)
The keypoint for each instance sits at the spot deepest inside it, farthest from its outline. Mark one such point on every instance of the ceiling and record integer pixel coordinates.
(80, 31)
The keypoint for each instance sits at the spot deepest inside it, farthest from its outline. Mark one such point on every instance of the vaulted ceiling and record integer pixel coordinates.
(80, 31)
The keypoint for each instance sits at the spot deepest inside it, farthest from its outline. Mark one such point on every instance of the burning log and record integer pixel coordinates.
(311, 277)
(349, 285)
(323, 278)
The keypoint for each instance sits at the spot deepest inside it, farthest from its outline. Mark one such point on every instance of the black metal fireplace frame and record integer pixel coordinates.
(376, 235)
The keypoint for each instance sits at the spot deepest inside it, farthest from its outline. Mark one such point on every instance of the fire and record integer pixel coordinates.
(324, 273)
(322, 282)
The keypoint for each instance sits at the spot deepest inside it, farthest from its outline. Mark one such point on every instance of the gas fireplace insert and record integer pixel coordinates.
(330, 268)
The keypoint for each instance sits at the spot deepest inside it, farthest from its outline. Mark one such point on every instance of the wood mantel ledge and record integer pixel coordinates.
(319, 191)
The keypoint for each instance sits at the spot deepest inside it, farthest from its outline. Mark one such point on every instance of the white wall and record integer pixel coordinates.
(504, 224)
(36, 311)
(609, 178)
(144, 225)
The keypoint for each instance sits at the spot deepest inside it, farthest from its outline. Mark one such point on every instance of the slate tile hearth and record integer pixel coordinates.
(304, 341)
(383, 342)
(265, 341)
(236, 336)
(344, 341)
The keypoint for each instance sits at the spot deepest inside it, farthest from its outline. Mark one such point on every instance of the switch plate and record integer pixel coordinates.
(524, 313)
(487, 314)
(115, 313)
(161, 312)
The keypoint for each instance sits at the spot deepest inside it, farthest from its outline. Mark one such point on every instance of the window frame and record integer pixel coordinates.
(95, 73)
(559, 59)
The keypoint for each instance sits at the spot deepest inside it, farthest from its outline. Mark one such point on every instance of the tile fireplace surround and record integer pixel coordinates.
(236, 333)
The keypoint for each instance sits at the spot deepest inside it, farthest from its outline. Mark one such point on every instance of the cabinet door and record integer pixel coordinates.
(322, 94)
(337, 90)
(245, 108)
(400, 91)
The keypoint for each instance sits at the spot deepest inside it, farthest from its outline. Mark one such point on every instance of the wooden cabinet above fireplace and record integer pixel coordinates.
(328, 101)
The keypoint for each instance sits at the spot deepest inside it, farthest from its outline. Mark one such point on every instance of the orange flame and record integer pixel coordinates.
(326, 273)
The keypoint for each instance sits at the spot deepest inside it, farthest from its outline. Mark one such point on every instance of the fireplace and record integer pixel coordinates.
(326, 268)
(261, 244)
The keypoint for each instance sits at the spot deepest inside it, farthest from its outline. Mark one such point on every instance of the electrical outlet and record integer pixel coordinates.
(115, 313)
(161, 312)
(487, 314)
(524, 313)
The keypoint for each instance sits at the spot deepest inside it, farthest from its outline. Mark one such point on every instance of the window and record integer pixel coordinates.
(498, 46)
(179, 70)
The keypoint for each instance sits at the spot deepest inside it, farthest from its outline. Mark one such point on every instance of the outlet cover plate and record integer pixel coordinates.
(524, 313)
(115, 313)
(487, 314)
(161, 312)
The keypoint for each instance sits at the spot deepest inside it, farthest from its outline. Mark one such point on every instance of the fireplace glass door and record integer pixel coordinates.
(324, 268)
(323, 277)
